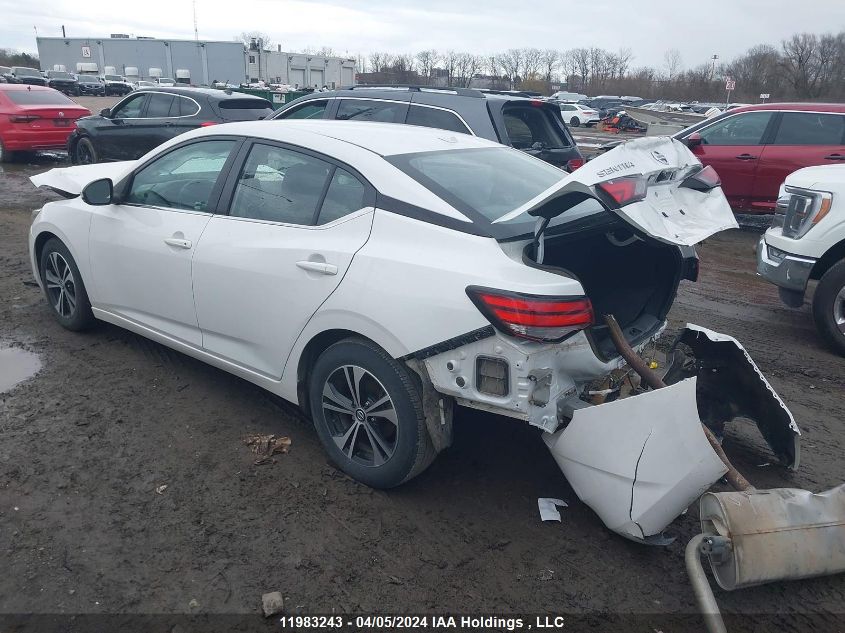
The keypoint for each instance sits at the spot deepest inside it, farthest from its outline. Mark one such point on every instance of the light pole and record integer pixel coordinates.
(713, 69)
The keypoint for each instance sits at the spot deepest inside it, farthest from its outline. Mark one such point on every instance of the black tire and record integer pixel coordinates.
(377, 373)
(84, 152)
(574, 121)
(73, 315)
(5, 155)
(829, 307)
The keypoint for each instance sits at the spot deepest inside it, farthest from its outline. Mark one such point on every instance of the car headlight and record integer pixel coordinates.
(802, 209)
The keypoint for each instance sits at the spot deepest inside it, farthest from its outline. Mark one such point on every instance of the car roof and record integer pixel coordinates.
(384, 139)
(813, 107)
(212, 93)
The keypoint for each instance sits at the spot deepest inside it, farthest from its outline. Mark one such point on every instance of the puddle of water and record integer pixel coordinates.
(16, 365)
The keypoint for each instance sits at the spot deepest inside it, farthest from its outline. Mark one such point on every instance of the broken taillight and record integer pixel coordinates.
(704, 179)
(538, 318)
(624, 190)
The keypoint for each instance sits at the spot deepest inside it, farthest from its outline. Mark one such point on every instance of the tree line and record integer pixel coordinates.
(9, 57)
(806, 67)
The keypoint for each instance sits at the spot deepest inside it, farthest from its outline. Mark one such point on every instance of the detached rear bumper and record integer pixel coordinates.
(783, 269)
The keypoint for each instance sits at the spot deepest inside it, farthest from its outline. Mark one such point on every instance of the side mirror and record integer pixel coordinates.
(694, 140)
(105, 112)
(99, 192)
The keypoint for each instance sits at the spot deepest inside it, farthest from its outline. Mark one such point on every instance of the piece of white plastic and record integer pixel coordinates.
(548, 508)
(638, 462)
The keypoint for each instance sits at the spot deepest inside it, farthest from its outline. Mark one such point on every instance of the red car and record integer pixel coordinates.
(753, 148)
(34, 118)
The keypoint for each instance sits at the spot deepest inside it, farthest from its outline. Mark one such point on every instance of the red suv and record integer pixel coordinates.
(754, 148)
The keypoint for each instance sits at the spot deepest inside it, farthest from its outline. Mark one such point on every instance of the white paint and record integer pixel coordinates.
(638, 462)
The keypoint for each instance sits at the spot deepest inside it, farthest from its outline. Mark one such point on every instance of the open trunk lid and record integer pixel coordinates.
(670, 211)
(70, 181)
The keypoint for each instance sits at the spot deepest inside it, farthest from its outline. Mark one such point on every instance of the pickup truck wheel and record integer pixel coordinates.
(63, 287)
(84, 152)
(829, 307)
(368, 414)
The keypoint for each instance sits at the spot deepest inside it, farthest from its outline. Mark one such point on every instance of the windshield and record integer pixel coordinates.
(26, 72)
(114, 78)
(88, 80)
(56, 74)
(490, 182)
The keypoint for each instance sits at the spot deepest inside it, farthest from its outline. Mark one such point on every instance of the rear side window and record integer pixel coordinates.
(528, 125)
(38, 97)
(811, 128)
(369, 110)
(183, 106)
(434, 117)
(245, 109)
(280, 185)
(159, 105)
(345, 195)
(310, 110)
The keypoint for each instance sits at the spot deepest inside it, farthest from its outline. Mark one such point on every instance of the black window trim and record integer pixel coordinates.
(227, 194)
(122, 188)
(403, 116)
(144, 95)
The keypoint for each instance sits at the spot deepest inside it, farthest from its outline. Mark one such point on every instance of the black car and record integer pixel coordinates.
(63, 82)
(116, 85)
(6, 73)
(30, 76)
(531, 125)
(92, 86)
(147, 118)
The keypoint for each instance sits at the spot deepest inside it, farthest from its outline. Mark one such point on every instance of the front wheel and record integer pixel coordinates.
(63, 287)
(829, 307)
(575, 121)
(368, 414)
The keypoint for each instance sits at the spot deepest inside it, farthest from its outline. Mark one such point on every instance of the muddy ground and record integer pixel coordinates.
(112, 417)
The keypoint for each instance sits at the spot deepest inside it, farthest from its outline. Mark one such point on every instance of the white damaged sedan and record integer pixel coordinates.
(377, 275)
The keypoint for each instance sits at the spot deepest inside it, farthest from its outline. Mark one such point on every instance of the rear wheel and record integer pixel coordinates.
(574, 121)
(63, 287)
(829, 307)
(368, 414)
(84, 152)
(5, 155)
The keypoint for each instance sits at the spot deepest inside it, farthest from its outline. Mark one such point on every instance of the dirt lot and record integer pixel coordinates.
(111, 417)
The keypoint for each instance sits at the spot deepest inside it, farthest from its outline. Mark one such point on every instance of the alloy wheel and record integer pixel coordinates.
(360, 415)
(61, 286)
(839, 310)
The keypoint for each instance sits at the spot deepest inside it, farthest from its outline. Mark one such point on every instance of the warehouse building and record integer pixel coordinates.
(300, 70)
(196, 62)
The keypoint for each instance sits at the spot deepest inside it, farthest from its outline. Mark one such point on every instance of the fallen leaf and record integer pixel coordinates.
(266, 446)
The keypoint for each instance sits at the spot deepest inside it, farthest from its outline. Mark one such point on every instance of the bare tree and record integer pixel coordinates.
(623, 60)
(581, 57)
(532, 62)
(511, 64)
(247, 37)
(450, 63)
(673, 62)
(550, 59)
(426, 62)
(379, 62)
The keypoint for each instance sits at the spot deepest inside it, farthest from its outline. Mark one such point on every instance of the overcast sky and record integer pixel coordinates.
(697, 28)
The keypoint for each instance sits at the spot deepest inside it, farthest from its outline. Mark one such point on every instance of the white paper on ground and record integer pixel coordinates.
(548, 508)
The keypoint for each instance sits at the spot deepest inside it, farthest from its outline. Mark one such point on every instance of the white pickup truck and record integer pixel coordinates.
(807, 241)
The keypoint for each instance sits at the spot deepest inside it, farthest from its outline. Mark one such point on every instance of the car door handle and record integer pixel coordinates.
(835, 157)
(746, 157)
(177, 242)
(318, 267)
